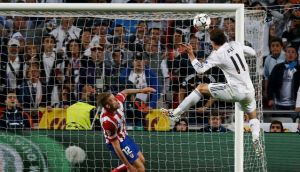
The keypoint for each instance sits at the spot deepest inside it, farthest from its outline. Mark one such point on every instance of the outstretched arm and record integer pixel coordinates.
(200, 67)
(249, 51)
(145, 90)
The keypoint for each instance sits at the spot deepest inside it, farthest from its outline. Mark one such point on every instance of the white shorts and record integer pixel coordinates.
(246, 101)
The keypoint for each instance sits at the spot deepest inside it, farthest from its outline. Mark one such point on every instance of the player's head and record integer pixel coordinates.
(276, 127)
(217, 38)
(108, 101)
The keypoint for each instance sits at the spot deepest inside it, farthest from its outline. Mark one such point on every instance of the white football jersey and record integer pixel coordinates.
(231, 60)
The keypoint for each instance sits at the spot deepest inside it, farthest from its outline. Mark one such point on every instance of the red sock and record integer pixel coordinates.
(121, 168)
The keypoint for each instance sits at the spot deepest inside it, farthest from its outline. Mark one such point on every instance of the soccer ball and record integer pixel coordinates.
(75, 154)
(201, 21)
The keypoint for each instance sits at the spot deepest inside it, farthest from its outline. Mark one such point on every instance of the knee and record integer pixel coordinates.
(142, 159)
(141, 169)
(201, 88)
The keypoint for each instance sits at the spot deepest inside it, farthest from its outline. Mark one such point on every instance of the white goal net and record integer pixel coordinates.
(55, 56)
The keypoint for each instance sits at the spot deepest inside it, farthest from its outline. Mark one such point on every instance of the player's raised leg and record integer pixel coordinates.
(189, 101)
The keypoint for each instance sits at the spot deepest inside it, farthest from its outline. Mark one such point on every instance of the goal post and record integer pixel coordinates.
(149, 12)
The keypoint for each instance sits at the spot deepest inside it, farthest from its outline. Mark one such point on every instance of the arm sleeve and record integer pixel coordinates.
(249, 51)
(121, 97)
(110, 130)
(202, 67)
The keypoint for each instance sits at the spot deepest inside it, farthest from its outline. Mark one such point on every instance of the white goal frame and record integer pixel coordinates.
(148, 7)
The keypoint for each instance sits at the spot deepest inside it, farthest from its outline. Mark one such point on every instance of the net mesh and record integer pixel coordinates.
(69, 56)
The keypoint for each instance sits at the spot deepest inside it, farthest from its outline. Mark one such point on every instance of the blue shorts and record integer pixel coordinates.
(129, 148)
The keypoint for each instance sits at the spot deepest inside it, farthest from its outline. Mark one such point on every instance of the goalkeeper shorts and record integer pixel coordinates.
(129, 148)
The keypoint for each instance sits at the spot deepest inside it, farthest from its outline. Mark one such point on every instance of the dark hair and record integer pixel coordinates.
(102, 98)
(217, 36)
(154, 28)
(230, 19)
(49, 36)
(68, 46)
(118, 25)
(85, 29)
(178, 122)
(275, 39)
(11, 91)
(277, 122)
(292, 46)
(45, 37)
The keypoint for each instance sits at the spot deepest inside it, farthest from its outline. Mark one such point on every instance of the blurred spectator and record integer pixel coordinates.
(118, 64)
(85, 39)
(292, 34)
(4, 34)
(31, 51)
(154, 58)
(65, 32)
(141, 76)
(95, 69)
(80, 116)
(66, 97)
(155, 38)
(284, 82)
(277, 56)
(31, 54)
(13, 116)
(138, 39)
(118, 41)
(214, 124)
(73, 63)
(181, 125)
(33, 92)
(12, 66)
(100, 33)
(22, 29)
(228, 23)
(276, 127)
(52, 68)
(175, 56)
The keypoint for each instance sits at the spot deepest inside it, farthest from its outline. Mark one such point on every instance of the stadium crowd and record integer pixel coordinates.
(56, 62)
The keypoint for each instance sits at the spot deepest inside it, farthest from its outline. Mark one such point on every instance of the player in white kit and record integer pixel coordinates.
(229, 57)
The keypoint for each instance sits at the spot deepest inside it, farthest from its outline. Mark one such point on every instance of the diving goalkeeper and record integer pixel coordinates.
(229, 57)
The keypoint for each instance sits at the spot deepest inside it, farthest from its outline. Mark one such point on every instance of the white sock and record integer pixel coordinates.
(255, 128)
(189, 101)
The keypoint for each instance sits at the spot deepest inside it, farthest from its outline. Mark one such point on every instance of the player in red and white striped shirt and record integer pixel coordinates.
(113, 123)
